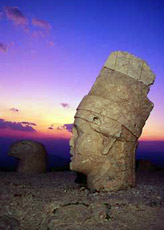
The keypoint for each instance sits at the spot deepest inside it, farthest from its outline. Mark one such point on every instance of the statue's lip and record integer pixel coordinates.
(71, 150)
(71, 154)
(13, 155)
(10, 153)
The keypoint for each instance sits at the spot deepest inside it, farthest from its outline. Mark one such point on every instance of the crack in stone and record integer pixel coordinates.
(105, 117)
(69, 204)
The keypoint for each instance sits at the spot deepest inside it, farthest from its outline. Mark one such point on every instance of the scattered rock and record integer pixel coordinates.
(9, 223)
(101, 212)
(71, 213)
(38, 201)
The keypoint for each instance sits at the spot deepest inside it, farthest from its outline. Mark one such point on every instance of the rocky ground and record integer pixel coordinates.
(53, 201)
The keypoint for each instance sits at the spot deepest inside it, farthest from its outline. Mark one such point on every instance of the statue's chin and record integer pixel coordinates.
(72, 166)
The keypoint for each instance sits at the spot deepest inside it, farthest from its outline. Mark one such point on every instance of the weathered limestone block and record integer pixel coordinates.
(109, 121)
(32, 156)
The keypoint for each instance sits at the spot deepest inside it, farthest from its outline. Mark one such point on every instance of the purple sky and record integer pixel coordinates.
(52, 51)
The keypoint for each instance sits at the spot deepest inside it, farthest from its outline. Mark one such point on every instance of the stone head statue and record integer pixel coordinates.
(31, 155)
(109, 121)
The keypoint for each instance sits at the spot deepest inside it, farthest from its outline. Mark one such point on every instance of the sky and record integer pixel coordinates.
(52, 51)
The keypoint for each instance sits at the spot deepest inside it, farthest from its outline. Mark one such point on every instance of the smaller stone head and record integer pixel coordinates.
(31, 155)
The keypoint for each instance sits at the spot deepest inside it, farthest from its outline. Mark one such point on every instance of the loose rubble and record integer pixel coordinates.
(53, 201)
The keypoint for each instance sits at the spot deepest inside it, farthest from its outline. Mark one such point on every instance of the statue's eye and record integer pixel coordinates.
(95, 118)
(75, 126)
(75, 130)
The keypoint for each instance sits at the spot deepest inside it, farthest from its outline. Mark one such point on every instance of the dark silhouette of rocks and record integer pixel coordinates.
(146, 165)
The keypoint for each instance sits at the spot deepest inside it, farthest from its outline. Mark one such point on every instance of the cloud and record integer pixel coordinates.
(1, 15)
(2, 124)
(60, 128)
(14, 110)
(68, 127)
(64, 105)
(15, 126)
(15, 15)
(51, 127)
(38, 34)
(51, 43)
(3, 47)
(41, 24)
(12, 43)
(28, 123)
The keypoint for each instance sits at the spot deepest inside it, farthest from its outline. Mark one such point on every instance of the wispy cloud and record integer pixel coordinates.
(41, 28)
(60, 128)
(3, 47)
(28, 123)
(14, 110)
(15, 126)
(1, 15)
(51, 43)
(68, 127)
(41, 24)
(15, 15)
(38, 34)
(64, 105)
(51, 127)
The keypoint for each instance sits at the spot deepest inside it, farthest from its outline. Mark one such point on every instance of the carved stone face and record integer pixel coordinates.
(108, 122)
(86, 145)
(93, 136)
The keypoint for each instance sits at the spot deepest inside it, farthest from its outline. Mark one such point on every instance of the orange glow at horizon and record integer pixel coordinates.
(49, 124)
(58, 131)
(64, 134)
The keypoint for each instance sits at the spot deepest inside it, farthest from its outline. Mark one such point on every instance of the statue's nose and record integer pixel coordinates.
(71, 142)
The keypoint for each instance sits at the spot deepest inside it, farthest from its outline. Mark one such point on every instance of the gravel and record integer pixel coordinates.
(53, 201)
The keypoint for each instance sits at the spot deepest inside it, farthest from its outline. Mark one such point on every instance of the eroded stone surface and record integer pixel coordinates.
(109, 121)
(81, 213)
(134, 67)
(40, 201)
(32, 156)
(9, 223)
